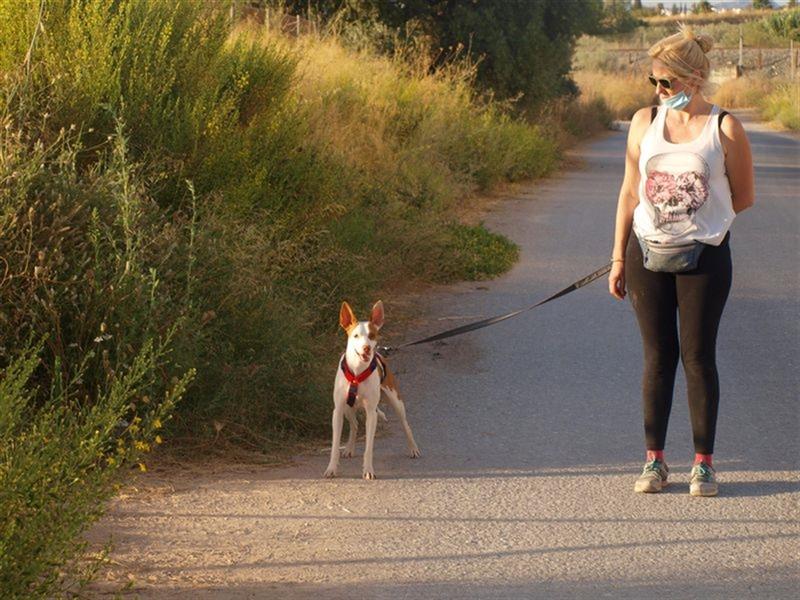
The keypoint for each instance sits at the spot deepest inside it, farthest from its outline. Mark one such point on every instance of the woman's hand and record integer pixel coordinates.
(616, 280)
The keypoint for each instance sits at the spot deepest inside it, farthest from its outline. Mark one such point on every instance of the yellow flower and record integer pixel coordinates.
(142, 468)
(158, 439)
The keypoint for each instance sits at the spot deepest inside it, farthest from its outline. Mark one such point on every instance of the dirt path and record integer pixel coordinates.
(531, 439)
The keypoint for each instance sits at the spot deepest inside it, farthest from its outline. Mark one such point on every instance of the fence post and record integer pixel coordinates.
(741, 51)
(266, 18)
(297, 24)
(792, 60)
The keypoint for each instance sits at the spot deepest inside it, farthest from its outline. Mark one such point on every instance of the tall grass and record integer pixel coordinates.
(743, 92)
(167, 183)
(622, 93)
(381, 153)
(777, 99)
(315, 173)
(81, 252)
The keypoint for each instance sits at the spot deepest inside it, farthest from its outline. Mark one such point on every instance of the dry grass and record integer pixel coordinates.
(705, 18)
(623, 93)
(744, 92)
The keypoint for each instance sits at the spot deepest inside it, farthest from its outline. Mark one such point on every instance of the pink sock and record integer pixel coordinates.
(706, 458)
(655, 455)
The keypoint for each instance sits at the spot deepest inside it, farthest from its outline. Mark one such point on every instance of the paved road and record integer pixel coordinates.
(531, 437)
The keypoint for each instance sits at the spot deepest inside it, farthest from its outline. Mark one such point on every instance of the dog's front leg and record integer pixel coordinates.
(372, 423)
(350, 447)
(338, 422)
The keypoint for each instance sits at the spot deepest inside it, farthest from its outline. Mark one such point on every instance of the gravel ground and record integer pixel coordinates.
(531, 438)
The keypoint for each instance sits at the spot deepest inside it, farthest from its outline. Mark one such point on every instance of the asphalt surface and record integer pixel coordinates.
(531, 438)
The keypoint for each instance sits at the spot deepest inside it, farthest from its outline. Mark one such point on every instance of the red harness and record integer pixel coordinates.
(355, 380)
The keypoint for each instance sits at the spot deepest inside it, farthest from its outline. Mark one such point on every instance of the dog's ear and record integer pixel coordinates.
(347, 318)
(376, 318)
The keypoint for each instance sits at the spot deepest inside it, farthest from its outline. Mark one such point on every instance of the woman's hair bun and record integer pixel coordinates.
(704, 41)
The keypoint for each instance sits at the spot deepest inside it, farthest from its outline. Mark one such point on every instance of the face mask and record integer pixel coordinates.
(678, 101)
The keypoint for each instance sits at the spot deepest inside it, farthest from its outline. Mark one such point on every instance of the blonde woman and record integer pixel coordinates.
(688, 172)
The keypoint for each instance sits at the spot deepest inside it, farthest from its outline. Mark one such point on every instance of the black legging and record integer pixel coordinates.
(698, 297)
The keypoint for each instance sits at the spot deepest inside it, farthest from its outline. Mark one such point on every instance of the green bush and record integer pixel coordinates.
(782, 104)
(481, 254)
(316, 173)
(59, 462)
(785, 24)
(84, 256)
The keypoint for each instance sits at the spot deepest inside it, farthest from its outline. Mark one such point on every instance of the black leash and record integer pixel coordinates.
(385, 350)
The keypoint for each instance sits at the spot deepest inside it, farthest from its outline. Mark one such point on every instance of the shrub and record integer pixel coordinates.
(785, 24)
(59, 463)
(306, 160)
(782, 104)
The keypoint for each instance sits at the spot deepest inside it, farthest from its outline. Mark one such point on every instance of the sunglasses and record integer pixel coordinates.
(665, 83)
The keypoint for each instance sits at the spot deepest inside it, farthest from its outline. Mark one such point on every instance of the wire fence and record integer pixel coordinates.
(258, 12)
(728, 62)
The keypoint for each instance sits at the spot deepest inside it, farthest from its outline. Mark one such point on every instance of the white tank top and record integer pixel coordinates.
(684, 193)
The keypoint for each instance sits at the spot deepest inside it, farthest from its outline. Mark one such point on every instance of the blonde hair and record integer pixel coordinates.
(684, 54)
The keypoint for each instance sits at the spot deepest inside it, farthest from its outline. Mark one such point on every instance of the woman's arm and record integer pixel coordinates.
(628, 199)
(738, 163)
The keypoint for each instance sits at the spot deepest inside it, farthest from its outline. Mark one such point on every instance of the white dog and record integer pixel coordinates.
(361, 377)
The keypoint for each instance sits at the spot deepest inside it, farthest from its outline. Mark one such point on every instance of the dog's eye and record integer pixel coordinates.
(355, 336)
(372, 336)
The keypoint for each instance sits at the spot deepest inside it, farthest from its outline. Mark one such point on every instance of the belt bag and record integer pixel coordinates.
(671, 259)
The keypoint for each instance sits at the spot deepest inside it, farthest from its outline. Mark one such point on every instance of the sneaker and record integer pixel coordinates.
(653, 477)
(704, 481)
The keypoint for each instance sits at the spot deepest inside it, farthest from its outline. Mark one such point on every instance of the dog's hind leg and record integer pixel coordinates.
(397, 404)
(350, 448)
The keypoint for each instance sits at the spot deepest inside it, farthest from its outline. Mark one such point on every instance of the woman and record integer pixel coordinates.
(688, 172)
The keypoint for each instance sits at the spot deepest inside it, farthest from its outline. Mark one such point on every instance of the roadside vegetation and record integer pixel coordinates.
(186, 199)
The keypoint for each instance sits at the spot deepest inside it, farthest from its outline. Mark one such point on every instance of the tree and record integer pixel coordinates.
(762, 4)
(791, 4)
(524, 47)
(636, 4)
(617, 18)
(703, 6)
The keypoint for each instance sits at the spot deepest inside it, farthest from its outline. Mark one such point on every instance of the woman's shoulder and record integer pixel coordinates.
(640, 122)
(644, 114)
(730, 126)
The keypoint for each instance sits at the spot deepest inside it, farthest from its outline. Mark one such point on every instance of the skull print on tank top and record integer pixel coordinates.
(684, 193)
